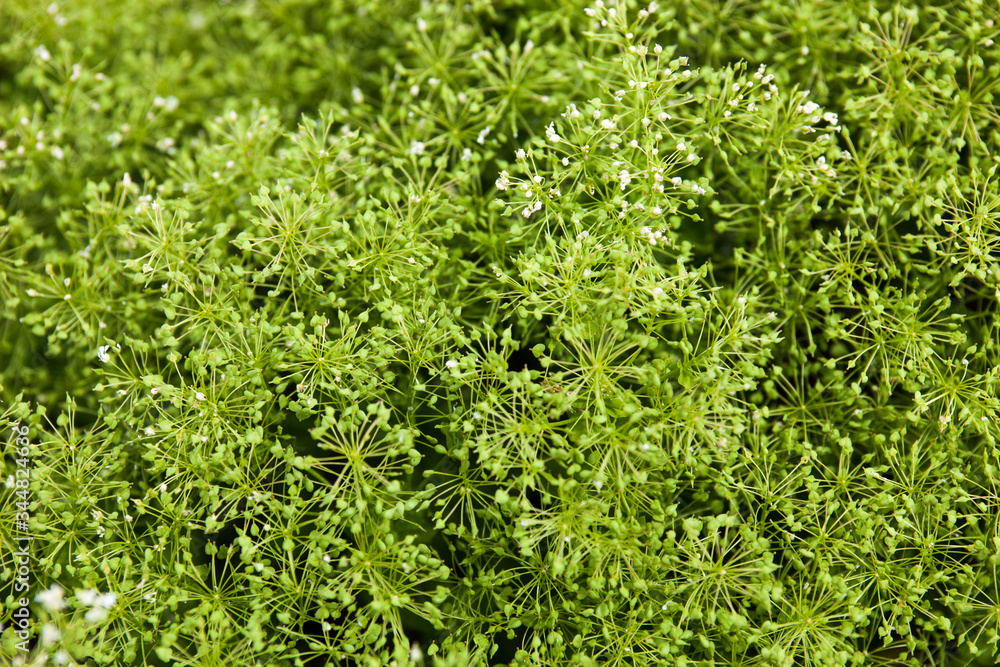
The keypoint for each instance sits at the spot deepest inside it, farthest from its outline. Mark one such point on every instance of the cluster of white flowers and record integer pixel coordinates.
(169, 103)
(652, 236)
(825, 168)
(416, 147)
(531, 208)
(550, 133)
(808, 108)
(99, 604)
(572, 112)
(51, 599)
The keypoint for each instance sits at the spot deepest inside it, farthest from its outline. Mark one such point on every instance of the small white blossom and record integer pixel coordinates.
(51, 599)
(50, 634)
(102, 354)
(503, 181)
(416, 148)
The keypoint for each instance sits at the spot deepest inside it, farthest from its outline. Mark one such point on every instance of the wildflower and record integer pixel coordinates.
(624, 178)
(481, 139)
(451, 363)
(102, 354)
(503, 181)
(50, 634)
(43, 54)
(51, 599)
(531, 208)
(520, 154)
(550, 133)
(466, 155)
(416, 148)
(808, 108)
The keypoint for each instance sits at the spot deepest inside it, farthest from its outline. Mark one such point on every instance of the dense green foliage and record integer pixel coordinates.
(530, 332)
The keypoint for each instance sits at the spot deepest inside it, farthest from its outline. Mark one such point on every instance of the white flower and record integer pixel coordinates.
(421, 25)
(95, 615)
(520, 154)
(831, 118)
(481, 139)
(624, 178)
(88, 596)
(531, 208)
(50, 634)
(451, 363)
(415, 653)
(199, 396)
(416, 148)
(51, 599)
(503, 181)
(809, 108)
(466, 154)
(43, 53)
(550, 133)
(102, 354)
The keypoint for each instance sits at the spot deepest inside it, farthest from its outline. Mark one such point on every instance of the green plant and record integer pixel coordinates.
(523, 333)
